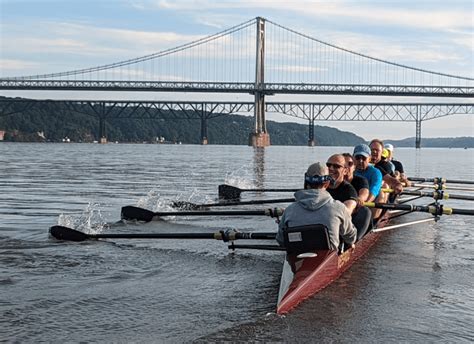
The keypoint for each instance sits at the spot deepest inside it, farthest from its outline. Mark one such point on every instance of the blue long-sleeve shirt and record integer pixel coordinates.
(374, 177)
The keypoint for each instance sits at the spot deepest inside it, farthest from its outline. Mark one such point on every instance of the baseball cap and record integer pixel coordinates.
(389, 147)
(317, 169)
(317, 174)
(362, 149)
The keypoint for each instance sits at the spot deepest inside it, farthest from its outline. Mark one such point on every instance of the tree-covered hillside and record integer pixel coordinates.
(54, 124)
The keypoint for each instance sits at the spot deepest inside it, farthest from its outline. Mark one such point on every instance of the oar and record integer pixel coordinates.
(135, 213)
(386, 228)
(233, 192)
(432, 209)
(65, 233)
(440, 180)
(443, 187)
(193, 206)
(438, 195)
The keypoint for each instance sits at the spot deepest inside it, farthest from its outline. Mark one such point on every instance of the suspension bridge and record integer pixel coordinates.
(259, 58)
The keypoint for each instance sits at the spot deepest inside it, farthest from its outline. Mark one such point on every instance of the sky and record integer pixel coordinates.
(43, 36)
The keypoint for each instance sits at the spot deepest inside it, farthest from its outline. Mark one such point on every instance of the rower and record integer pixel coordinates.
(364, 169)
(376, 148)
(339, 188)
(315, 206)
(399, 172)
(389, 180)
(343, 191)
(360, 184)
(389, 164)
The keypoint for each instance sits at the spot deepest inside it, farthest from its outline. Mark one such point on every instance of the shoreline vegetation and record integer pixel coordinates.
(59, 124)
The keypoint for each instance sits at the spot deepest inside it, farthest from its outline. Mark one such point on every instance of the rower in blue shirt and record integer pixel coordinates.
(364, 169)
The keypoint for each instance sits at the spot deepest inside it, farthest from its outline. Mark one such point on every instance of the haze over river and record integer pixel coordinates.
(415, 285)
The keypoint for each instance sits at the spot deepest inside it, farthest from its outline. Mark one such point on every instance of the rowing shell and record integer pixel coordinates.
(306, 274)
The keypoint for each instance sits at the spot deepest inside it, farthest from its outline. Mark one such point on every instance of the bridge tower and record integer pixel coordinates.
(259, 137)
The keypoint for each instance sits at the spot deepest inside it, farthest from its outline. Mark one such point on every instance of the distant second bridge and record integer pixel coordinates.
(204, 111)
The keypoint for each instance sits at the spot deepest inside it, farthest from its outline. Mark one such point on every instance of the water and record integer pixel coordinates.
(415, 285)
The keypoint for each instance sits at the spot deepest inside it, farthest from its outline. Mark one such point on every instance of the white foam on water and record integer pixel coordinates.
(90, 221)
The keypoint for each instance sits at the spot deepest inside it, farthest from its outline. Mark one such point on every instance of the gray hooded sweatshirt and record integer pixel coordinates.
(316, 206)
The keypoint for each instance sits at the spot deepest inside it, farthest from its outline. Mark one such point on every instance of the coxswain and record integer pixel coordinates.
(314, 205)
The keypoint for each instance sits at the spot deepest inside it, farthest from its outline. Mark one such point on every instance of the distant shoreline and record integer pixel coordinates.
(217, 144)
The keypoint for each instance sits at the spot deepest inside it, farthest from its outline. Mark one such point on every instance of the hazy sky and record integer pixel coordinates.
(39, 36)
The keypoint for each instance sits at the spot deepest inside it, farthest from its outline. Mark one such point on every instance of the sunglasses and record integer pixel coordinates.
(335, 166)
(360, 157)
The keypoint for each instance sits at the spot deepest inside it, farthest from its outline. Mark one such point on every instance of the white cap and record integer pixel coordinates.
(389, 147)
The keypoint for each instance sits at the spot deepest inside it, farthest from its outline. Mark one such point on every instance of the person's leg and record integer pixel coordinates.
(362, 220)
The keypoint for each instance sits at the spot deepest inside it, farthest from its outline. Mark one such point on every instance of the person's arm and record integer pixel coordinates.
(364, 195)
(279, 236)
(350, 204)
(375, 185)
(404, 179)
(394, 183)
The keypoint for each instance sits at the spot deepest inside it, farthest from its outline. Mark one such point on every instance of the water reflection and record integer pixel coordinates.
(259, 167)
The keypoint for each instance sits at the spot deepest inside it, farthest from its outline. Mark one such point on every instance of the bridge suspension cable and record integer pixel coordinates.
(370, 57)
(293, 61)
(134, 61)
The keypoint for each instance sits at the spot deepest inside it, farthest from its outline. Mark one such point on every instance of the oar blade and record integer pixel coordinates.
(130, 212)
(66, 233)
(228, 192)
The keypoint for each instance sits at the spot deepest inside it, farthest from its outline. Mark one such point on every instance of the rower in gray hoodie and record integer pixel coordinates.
(314, 205)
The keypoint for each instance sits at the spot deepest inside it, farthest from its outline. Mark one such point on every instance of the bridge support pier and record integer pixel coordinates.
(259, 137)
(102, 137)
(418, 134)
(311, 141)
(418, 129)
(204, 140)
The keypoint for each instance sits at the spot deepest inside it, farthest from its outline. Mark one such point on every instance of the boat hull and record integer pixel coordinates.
(304, 277)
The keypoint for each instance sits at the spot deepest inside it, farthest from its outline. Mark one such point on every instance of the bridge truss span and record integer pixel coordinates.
(239, 87)
(397, 112)
(206, 110)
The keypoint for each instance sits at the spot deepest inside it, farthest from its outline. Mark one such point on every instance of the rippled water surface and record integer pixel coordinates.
(415, 285)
